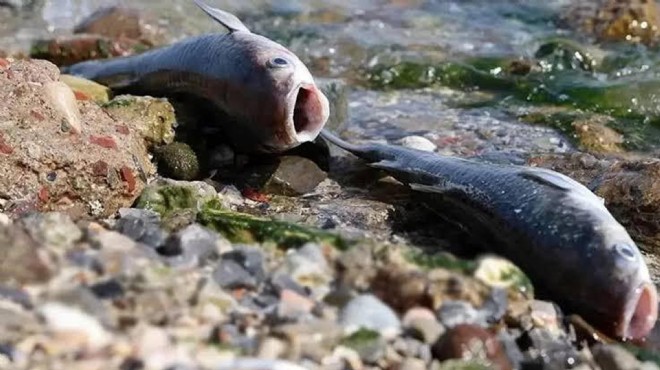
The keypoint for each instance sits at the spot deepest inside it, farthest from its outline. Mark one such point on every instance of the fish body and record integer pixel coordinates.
(552, 227)
(267, 96)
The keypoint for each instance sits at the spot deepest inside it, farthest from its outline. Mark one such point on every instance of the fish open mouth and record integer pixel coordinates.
(642, 314)
(310, 113)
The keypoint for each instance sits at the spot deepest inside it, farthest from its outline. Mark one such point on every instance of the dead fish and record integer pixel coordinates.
(552, 227)
(268, 97)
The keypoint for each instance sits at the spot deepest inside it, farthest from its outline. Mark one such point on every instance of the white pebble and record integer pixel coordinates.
(63, 100)
(418, 142)
(65, 320)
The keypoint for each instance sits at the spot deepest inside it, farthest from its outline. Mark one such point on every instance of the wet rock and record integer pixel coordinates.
(368, 312)
(51, 169)
(307, 266)
(294, 176)
(615, 357)
(52, 229)
(241, 268)
(595, 137)
(419, 143)
(500, 273)
(310, 339)
(24, 261)
(614, 20)
(471, 342)
(178, 161)
(87, 90)
(545, 349)
(166, 198)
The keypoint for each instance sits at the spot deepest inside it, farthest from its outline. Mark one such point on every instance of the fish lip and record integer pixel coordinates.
(304, 128)
(643, 301)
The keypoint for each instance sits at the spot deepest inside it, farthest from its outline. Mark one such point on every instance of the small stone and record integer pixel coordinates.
(370, 345)
(308, 267)
(83, 298)
(230, 274)
(293, 305)
(104, 141)
(109, 289)
(294, 176)
(279, 281)
(498, 272)
(418, 142)
(422, 324)
(178, 161)
(272, 348)
(250, 258)
(310, 339)
(4, 219)
(615, 357)
(495, 306)
(194, 244)
(470, 342)
(74, 326)
(23, 260)
(95, 91)
(412, 364)
(52, 229)
(62, 99)
(368, 312)
(546, 315)
(453, 313)
(142, 226)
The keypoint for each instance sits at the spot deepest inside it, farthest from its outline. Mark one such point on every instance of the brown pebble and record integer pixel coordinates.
(128, 176)
(471, 342)
(103, 141)
(44, 195)
(81, 95)
(4, 63)
(34, 113)
(4, 147)
(122, 129)
(100, 168)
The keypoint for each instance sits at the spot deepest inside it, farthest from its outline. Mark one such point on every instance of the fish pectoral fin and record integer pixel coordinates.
(225, 18)
(427, 188)
(550, 178)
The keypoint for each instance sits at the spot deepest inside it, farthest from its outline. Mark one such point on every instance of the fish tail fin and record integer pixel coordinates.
(114, 73)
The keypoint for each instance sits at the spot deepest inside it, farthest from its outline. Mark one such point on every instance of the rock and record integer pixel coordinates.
(142, 226)
(257, 363)
(454, 313)
(368, 312)
(108, 289)
(546, 349)
(178, 161)
(52, 229)
(412, 364)
(49, 168)
(83, 299)
(308, 267)
(195, 244)
(241, 268)
(166, 199)
(293, 176)
(118, 254)
(418, 142)
(293, 306)
(157, 115)
(470, 342)
(369, 344)
(336, 91)
(462, 365)
(498, 272)
(310, 339)
(422, 324)
(546, 315)
(213, 303)
(23, 260)
(118, 23)
(16, 323)
(87, 90)
(595, 137)
(615, 357)
(63, 100)
(71, 49)
(77, 329)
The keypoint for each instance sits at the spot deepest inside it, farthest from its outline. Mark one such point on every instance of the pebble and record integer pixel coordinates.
(422, 324)
(368, 312)
(23, 260)
(418, 142)
(453, 313)
(62, 99)
(194, 244)
(142, 226)
(546, 315)
(74, 326)
(53, 229)
(470, 342)
(250, 258)
(412, 364)
(241, 268)
(308, 267)
(294, 176)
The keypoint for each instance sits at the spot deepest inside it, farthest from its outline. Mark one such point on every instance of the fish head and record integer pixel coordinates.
(629, 303)
(291, 109)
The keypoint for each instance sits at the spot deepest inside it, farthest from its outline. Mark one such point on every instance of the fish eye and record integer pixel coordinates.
(626, 251)
(278, 62)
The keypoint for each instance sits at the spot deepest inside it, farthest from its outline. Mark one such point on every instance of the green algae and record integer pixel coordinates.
(246, 228)
(177, 161)
(439, 260)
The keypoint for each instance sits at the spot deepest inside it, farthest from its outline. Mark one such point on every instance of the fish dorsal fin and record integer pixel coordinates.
(550, 178)
(225, 18)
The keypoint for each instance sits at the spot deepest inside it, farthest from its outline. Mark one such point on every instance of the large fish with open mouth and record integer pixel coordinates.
(267, 96)
(555, 229)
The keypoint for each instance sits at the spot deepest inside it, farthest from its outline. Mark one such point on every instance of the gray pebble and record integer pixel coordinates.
(369, 312)
(454, 313)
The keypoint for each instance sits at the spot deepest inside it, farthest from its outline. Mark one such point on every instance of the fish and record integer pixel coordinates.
(268, 98)
(552, 227)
